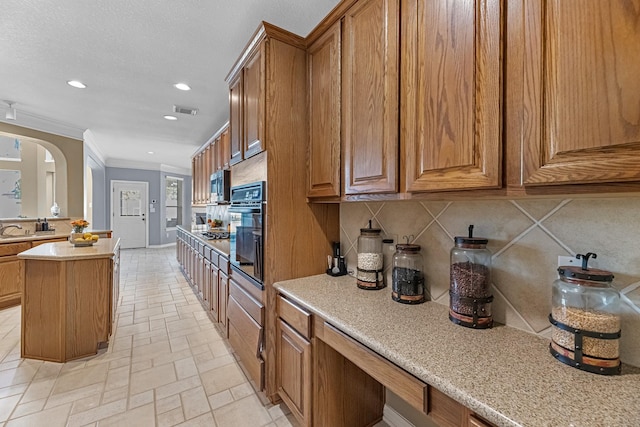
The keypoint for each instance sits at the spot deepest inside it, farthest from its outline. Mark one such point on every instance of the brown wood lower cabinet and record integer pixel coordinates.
(11, 273)
(327, 378)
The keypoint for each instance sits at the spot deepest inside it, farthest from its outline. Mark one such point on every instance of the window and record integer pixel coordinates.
(173, 201)
(10, 194)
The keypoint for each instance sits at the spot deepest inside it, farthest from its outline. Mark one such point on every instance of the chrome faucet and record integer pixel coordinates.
(4, 228)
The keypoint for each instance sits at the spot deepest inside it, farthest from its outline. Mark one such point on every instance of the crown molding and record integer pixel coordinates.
(43, 124)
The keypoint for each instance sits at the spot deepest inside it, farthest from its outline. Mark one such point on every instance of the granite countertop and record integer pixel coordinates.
(220, 245)
(505, 375)
(64, 251)
(13, 238)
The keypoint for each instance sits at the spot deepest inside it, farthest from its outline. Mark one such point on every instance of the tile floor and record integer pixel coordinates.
(166, 365)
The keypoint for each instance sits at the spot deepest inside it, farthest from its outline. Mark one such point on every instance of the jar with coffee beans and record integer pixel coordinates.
(407, 276)
(585, 318)
(470, 282)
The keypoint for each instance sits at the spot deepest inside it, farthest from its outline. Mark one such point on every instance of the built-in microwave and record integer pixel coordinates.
(220, 186)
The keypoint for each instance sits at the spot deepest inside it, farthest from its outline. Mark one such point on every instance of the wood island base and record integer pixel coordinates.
(67, 304)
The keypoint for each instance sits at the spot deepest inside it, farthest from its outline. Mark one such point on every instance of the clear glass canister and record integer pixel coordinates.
(407, 275)
(370, 261)
(470, 282)
(586, 319)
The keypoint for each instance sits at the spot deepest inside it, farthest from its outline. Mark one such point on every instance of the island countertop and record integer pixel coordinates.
(63, 251)
(505, 375)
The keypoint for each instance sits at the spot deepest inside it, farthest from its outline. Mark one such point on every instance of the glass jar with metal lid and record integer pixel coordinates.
(585, 318)
(370, 260)
(470, 282)
(407, 275)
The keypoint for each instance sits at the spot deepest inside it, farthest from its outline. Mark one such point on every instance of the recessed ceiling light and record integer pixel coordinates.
(77, 84)
(182, 86)
(170, 117)
(149, 152)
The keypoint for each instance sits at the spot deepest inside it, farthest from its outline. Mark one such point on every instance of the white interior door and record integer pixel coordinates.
(129, 213)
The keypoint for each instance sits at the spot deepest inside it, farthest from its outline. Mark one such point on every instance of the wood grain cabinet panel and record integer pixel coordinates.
(294, 372)
(236, 131)
(451, 94)
(254, 100)
(224, 150)
(582, 91)
(323, 59)
(370, 97)
(11, 280)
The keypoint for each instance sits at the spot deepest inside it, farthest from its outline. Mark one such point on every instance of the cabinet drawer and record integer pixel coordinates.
(296, 317)
(253, 307)
(14, 248)
(444, 410)
(249, 329)
(223, 264)
(409, 388)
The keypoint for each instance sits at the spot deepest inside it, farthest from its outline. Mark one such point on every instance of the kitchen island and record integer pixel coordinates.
(69, 298)
(503, 375)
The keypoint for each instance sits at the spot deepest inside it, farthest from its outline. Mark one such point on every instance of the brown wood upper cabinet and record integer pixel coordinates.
(451, 94)
(370, 97)
(323, 59)
(247, 103)
(581, 91)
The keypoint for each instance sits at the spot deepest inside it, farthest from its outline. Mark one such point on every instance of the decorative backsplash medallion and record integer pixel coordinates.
(526, 237)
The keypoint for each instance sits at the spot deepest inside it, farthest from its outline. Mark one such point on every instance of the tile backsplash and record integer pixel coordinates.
(526, 237)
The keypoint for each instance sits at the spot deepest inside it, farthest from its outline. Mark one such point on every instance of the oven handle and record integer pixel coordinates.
(243, 209)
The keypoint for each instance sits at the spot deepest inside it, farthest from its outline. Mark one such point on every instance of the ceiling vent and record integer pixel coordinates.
(185, 110)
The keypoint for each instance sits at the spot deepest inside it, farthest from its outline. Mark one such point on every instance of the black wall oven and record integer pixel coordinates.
(246, 219)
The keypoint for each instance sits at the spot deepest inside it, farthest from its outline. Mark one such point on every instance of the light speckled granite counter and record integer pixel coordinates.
(64, 251)
(504, 374)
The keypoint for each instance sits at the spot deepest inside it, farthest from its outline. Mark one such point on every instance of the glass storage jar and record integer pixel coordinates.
(370, 261)
(585, 318)
(407, 275)
(470, 282)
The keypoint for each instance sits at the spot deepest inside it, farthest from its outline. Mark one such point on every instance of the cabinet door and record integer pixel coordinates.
(253, 92)
(223, 286)
(214, 293)
(209, 158)
(193, 181)
(582, 93)
(323, 60)
(370, 97)
(235, 120)
(294, 372)
(11, 278)
(451, 94)
(224, 151)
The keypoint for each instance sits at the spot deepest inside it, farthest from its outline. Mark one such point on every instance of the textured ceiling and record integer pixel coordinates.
(129, 54)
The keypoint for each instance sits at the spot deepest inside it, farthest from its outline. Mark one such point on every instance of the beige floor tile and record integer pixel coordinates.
(242, 390)
(48, 370)
(117, 378)
(186, 368)
(247, 412)
(152, 378)
(141, 366)
(178, 387)
(54, 417)
(71, 396)
(168, 357)
(222, 378)
(115, 394)
(169, 403)
(194, 403)
(140, 399)
(38, 390)
(205, 420)
(214, 363)
(220, 399)
(7, 405)
(86, 403)
(81, 378)
(142, 416)
(28, 408)
(20, 375)
(97, 413)
(171, 418)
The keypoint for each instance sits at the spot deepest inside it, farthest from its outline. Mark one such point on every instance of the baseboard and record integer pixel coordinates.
(166, 245)
(393, 418)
